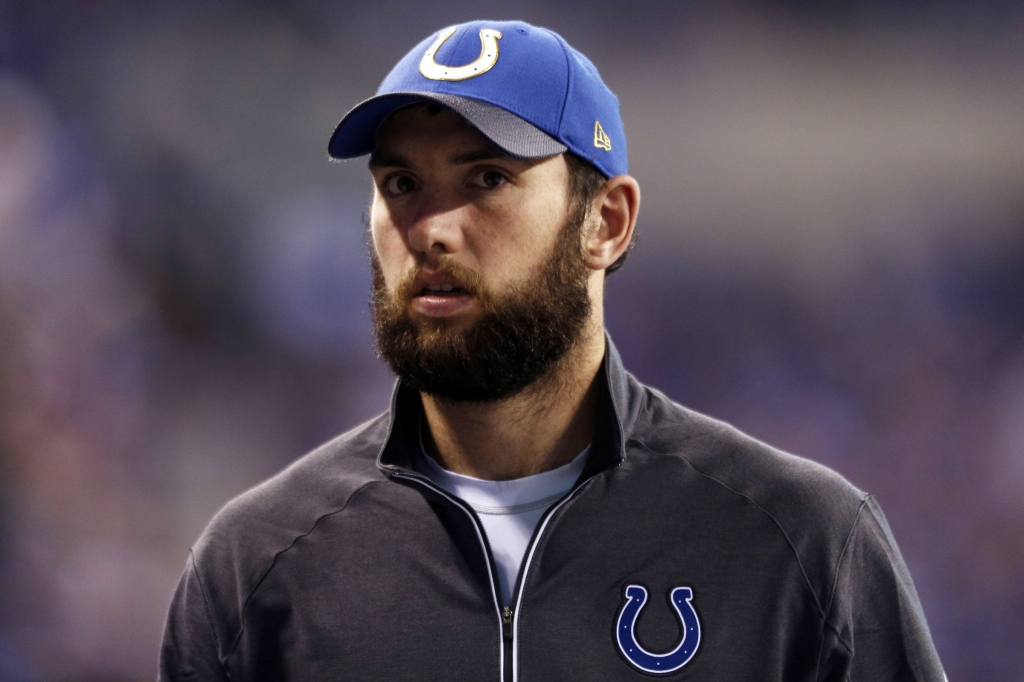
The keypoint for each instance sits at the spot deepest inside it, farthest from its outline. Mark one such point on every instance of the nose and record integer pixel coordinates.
(436, 227)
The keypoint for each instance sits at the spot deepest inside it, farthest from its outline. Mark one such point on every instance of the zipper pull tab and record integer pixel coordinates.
(506, 616)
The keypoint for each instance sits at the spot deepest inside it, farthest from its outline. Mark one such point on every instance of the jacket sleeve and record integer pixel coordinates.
(875, 628)
(190, 649)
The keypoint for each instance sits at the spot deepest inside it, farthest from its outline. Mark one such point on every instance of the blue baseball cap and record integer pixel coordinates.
(522, 87)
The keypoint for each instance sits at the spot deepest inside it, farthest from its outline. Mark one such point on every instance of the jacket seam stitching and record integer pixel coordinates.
(764, 511)
(835, 583)
(206, 608)
(839, 638)
(273, 564)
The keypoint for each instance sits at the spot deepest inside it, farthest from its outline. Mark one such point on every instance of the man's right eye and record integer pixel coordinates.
(397, 185)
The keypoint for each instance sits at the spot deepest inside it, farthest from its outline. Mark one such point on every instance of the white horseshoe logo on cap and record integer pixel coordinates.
(439, 72)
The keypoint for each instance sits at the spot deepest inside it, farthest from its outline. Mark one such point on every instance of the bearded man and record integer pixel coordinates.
(527, 510)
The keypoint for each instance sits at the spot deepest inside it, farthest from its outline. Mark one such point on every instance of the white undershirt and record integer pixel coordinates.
(508, 510)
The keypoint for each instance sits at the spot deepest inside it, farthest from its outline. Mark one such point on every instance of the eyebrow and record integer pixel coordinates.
(386, 160)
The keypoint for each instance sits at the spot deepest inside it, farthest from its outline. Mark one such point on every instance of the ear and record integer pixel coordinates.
(617, 205)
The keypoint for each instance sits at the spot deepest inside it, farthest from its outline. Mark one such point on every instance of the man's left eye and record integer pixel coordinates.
(490, 179)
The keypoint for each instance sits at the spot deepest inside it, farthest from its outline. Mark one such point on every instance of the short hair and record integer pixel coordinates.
(584, 183)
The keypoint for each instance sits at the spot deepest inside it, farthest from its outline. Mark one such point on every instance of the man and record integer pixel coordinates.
(526, 510)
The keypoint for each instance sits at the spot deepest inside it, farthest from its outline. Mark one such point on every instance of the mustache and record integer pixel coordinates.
(458, 275)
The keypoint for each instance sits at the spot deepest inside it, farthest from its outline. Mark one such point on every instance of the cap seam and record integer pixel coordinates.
(571, 76)
(458, 43)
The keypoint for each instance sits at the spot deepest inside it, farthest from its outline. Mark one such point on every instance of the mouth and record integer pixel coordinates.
(443, 290)
(441, 300)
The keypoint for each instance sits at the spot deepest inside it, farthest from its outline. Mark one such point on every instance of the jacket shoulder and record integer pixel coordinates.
(814, 507)
(315, 484)
(243, 539)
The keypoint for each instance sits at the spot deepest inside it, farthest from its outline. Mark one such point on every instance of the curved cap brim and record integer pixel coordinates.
(357, 133)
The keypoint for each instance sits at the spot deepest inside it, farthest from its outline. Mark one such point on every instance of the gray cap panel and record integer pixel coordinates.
(506, 130)
(356, 134)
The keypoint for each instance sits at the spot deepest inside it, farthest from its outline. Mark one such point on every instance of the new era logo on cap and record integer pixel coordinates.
(521, 86)
(601, 138)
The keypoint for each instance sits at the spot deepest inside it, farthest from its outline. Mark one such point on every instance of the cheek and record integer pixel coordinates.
(513, 243)
(497, 245)
(389, 249)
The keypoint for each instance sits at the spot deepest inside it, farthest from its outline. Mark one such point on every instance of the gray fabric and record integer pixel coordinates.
(355, 134)
(506, 130)
(349, 565)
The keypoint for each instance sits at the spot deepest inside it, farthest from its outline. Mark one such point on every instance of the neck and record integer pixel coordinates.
(541, 428)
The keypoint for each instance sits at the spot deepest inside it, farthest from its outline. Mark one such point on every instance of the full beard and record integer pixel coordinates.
(519, 339)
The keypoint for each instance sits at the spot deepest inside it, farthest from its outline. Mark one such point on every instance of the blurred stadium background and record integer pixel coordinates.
(831, 257)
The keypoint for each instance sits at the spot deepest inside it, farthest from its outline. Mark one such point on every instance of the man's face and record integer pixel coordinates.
(479, 283)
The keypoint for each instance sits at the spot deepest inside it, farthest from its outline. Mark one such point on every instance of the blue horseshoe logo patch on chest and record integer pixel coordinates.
(641, 658)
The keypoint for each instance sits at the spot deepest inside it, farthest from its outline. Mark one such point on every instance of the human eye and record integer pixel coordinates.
(399, 184)
(489, 178)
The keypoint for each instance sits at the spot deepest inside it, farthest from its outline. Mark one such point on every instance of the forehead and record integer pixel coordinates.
(425, 125)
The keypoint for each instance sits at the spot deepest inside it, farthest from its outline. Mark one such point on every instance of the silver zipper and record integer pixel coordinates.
(504, 614)
(524, 570)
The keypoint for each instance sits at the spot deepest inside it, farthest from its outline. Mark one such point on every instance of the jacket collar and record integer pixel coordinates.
(617, 412)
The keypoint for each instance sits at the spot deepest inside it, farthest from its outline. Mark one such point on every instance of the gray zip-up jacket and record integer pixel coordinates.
(687, 550)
